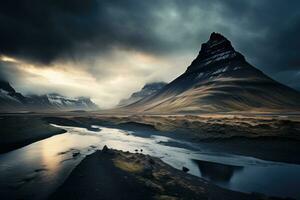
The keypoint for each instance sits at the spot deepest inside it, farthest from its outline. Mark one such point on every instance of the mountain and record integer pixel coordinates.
(220, 80)
(147, 90)
(60, 102)
(10, 100)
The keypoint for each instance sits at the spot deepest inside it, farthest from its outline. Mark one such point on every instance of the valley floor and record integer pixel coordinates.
(274, 138)
(118, 175)
(270, 137)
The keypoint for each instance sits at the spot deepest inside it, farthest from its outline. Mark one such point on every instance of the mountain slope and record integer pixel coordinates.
(9, 98)
(60, 102)
(220, 80)
(148, 90)
(11, 101)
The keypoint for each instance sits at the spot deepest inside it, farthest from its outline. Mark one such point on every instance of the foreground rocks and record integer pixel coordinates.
(112, 174)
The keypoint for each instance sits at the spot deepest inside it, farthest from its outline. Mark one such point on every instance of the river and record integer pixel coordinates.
(36, 170)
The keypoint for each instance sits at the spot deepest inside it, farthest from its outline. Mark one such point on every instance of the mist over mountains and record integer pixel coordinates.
(147, 90)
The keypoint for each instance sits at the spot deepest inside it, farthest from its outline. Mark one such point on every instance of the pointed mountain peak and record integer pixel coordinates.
(216, 36)
(217, 41)
(217, 49)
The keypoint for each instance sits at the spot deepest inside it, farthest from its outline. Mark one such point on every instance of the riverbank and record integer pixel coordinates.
(268, 138)
(274, 138)
(19, 131)
(112, 174)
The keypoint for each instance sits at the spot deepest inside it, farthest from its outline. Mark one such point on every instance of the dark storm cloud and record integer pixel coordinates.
(44, 31)
(274, 26)
(3, 76)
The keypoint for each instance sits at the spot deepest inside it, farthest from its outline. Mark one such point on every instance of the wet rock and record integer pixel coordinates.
(185, 169)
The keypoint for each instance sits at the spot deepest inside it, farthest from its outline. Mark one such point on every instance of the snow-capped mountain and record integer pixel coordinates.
(13, 101)
(220, 80)
(60, 102)
(9, 98)
(147, 90)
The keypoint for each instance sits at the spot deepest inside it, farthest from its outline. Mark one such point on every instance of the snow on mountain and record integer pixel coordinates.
(6, 95)
(10, 100)
(60, 102)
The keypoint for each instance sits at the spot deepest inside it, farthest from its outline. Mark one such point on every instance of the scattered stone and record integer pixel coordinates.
(141, 150)
(185, 169)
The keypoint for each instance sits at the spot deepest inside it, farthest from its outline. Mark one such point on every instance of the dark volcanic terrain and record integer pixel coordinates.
(219, 80)
(122, 175)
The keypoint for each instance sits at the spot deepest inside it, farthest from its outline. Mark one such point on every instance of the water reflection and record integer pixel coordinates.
(217, 172)
(34, 171)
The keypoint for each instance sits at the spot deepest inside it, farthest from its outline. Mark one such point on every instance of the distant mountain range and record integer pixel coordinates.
(219, 80)
(10, 100)
(146, 91)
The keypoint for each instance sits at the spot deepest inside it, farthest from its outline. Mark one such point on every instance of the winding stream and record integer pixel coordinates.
(36, 170)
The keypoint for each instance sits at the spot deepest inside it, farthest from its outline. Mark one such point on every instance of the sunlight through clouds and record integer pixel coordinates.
(105, 79)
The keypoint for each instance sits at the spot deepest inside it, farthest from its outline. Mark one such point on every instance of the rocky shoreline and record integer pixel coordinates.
(113, 174)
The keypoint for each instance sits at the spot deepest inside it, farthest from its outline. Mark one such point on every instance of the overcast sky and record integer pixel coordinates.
(107, 49)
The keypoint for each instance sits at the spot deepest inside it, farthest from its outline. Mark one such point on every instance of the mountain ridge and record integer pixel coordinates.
(147, 90)
(14, 101)
(220, 79)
